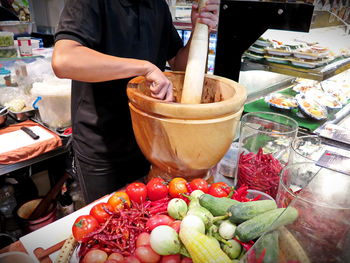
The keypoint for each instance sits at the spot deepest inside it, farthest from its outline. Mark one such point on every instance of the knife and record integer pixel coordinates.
(30, 133)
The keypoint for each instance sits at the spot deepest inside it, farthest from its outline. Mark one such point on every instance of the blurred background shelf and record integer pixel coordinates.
(319, 74)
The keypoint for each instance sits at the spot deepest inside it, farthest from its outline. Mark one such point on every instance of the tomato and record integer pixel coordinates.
(219, 189)
(171, 259)
(84, 225)
(199, 184)
(157, 189)
(118, 200)
(131, 259)
(186, 260)
(143, 240)
(98, 211)
(118, 258)
(146, 254)
(176, 225)
(113, 261)
(158, 220)
(137, 192)
(177, 186)
(95, 256)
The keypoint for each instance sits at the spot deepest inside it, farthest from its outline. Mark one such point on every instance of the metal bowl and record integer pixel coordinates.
(22, 116)
(3, 117)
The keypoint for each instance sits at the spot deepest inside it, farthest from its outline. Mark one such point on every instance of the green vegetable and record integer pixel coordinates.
(247, 210)
(213, 232)
(269, 242)
(197, 193)
(194, 201)
(270, 220)
(218, 206)
(165, 241)
(234, 250)
(177, 208)
(202, 213)
(193, 222)
(227, 229)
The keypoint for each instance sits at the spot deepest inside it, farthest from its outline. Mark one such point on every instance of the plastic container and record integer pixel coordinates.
(19, 28)
(6, 39)
(4, 74)
(264, 142)
(54, 102)
(8, 52)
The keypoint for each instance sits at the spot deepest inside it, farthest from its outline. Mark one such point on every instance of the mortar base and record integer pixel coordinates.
(156, 172)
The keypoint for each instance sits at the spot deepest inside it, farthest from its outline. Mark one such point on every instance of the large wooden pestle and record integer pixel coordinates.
(196, 65)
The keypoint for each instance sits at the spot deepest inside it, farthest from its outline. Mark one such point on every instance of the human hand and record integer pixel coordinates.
(209, 14)
(161, 87)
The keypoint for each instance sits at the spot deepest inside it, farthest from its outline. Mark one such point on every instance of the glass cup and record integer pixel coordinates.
(310, 148)
(322, 198)
(264, 143)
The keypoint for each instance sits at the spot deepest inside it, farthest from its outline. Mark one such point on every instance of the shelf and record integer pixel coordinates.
(319, 74)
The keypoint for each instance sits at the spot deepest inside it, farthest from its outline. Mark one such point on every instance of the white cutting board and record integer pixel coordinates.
(55, 232)
(17, 139)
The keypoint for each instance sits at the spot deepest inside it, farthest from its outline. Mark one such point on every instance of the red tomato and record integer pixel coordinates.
(137, 192)
(177, 186)
(199, 184)
(113, 261)
(176, 225)
(186, 260)
(131, 259)
(84, 225)
(171, 259)
(98, 211)
(95, 256)
(146, 254)
(157, 189)
(158, 220)
(219, 189)
(118, 258)
(143, 240)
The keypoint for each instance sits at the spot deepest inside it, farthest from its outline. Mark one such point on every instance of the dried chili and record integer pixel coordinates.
(259, 171)
(119, 232)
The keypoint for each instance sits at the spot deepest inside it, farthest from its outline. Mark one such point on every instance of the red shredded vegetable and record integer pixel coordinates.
(259, 171)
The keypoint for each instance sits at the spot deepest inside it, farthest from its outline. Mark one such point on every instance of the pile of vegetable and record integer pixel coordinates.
(177, 222)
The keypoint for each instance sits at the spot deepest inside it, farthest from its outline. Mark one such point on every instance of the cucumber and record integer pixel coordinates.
(244, 211)
(269, 242)
(218, 206)
(270, 220)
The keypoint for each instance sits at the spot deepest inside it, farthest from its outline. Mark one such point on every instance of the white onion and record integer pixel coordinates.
(193, 222)
(165, 241)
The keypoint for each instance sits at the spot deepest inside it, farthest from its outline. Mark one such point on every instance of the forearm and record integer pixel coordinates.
(180, 61)
(74, 61)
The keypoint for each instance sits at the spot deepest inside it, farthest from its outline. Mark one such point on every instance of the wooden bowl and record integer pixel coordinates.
(185, 140)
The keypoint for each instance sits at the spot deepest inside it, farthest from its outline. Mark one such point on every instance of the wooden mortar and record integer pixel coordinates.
(185, 140)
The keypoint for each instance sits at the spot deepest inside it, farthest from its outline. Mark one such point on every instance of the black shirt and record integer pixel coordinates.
(140, 29)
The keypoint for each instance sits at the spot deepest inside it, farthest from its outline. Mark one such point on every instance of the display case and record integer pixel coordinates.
(283, 48)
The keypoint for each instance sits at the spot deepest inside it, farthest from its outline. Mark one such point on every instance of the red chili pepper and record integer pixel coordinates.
(259, 171)
(261, 257)
(245, 245)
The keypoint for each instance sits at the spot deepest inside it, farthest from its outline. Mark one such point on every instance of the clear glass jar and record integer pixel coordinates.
(264, 142)
(322, 199)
